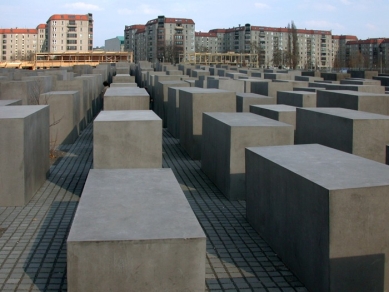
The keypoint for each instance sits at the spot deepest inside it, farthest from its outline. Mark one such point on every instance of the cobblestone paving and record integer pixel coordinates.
(33, 238)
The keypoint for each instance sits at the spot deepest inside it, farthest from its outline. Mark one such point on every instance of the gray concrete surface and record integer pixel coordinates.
(127, 139)
(297, 98)
(279, 112)
(245, 100)
(324, 212)
(126, 98)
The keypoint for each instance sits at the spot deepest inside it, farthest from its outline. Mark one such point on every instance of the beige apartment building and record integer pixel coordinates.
(163, 38)
(69, 32)
(315, 46)
(18, 44)
(61, 33)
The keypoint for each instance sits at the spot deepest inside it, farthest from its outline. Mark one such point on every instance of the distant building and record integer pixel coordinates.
(115, 44)
(206, 42)
(366, 54)
(18, 43)
(163, 38)
(339, 50)
(69, 32)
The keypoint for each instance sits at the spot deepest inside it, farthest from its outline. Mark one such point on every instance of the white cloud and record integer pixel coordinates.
(261, 5)
(82, 6)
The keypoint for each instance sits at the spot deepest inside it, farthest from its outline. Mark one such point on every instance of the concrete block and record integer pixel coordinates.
(64, 115)
(123, 78)
(235, 75)
(174, 72)
(359, 81)
(356, 100)
(10, 102)
(83, 87)
(127, 139)
(123, 70)
(198, 73)
(361, 88)
(270, 88)
(360, 133)
(295, 83)
(383, 79)
(244, 100)
(279, 112)
(224, 138)
(309, 89)
(24, 155)
(226, 84)
(335, 76)
(173, 110)
(161, 97)
(279, 76)
(193, 102)
(25, 90)
(323, 212)
(144, 236)
(126, 98)
(114, 85)
(191, 82)
(363, 74)
(297, 98)
(307, 78)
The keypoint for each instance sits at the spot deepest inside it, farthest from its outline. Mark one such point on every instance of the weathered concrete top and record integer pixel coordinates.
(19, 112)
(300, 92)
(276, 107)
(330, 168)
(172, 82)
(10, 102)
(203, 90)
(347, 113)
(133, 204)
(245, 120)
(252, 95)
(125, 91)
(61, 92)
(123, 85)
(127, 115)
(355, 93)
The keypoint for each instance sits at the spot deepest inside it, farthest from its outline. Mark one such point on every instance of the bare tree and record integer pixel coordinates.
(200, 48)
(171, 52)
(292, 53)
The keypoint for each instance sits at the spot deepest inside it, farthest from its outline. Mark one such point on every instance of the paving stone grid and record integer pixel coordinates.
(33, 238)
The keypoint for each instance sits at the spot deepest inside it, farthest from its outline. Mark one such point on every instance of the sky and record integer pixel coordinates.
(362, 18)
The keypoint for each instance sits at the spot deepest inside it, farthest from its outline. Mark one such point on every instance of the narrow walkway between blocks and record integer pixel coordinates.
(33, 238)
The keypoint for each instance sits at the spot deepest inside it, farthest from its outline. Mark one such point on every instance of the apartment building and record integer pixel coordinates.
(129, 36)
(366, 54)
(270, 43)
(69, 32)
(115, 44)
(206, 42)
(18, 44)
(162, 38)
(339, 49)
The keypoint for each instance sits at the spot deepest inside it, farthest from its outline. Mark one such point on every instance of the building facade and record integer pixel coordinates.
(366, 54)
(115, 44)
(69, 32)
(18, 44)
(339, 50)
(163, 38)
(206, 42)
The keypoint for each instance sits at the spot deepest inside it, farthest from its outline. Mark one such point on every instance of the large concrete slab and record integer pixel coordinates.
(356, 100)
(64, 116)
(193, 102)
(24, 155)
(224, 138)
(173, 110)
(10, 102)
(279, 112)
(127, 139)
(360, 133)
(363, 88)
(360, 81)
(244, 100)
(297, 98)
(26, 90)
(144, 236)
(226, 84)
(123, 78)
(126, 98)
(323, 212)
(123, 85)
(270, 88)
(161, 97)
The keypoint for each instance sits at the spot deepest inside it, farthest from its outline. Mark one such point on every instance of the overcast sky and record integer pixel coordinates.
(362, 18)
